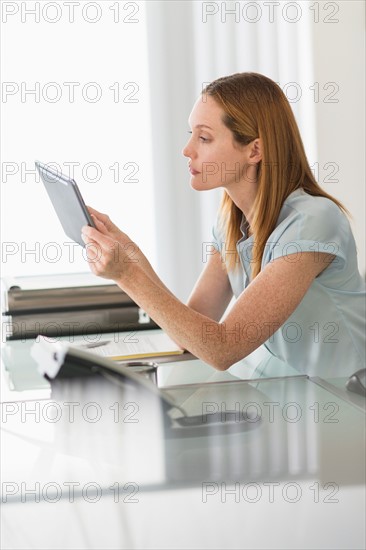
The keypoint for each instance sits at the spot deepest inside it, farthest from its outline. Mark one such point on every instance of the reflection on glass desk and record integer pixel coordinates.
(21, 370)
(112, 463)
(266, 429)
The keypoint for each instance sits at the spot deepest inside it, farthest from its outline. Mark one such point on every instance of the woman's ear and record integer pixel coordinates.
(256, 151)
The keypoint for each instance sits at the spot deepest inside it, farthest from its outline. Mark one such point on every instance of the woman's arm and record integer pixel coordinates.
(260, 310)
(136, 256)
(212, 292)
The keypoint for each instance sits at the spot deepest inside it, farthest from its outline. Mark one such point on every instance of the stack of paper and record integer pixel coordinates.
(134, 346)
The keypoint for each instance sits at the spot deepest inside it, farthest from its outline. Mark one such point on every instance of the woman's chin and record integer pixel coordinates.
(198, 185)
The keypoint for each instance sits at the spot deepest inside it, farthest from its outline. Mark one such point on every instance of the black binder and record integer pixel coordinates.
(69, 311)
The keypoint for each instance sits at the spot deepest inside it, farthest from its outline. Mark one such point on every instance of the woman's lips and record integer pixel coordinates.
(193, 172)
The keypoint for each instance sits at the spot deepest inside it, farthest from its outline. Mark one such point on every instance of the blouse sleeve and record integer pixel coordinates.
(324, 228)
(215, 241)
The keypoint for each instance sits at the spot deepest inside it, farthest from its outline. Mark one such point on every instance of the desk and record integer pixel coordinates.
(112, 475)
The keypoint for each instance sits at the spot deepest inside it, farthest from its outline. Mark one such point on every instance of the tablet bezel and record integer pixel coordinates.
(51, 177)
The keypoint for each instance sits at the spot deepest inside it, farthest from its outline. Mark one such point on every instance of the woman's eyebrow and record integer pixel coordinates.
(203, 126)
(200, 125)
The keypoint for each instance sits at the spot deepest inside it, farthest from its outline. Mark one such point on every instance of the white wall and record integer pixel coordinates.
(183, 52)
(320, 54)
(103, 136)
(339, 57)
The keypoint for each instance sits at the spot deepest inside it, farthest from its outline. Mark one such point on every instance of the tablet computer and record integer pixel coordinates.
(67, 201)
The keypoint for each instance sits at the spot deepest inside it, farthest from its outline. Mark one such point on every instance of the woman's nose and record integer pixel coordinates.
(187, 150)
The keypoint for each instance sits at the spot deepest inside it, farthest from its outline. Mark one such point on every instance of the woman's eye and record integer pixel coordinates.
(203, 139)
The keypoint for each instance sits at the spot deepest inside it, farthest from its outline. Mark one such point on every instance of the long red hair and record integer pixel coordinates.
(255, 107)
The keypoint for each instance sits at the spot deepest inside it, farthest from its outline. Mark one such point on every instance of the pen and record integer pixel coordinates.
(96, 344)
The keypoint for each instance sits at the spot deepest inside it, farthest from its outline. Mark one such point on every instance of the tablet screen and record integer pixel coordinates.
(67, 201)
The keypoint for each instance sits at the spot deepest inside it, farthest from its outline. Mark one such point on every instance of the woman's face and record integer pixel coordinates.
(215, 160)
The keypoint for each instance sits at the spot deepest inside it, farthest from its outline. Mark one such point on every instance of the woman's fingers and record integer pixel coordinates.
(95, 212)
(106, 256)
(100, 225)
(102, 238)
(104, 218)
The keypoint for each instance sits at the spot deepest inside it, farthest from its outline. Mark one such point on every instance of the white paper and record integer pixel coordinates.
(135, 345)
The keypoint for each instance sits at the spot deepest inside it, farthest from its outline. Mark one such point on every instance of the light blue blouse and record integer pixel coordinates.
(325, 335)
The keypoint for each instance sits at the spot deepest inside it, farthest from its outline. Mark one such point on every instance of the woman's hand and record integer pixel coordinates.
(111, 253)
(112, 229)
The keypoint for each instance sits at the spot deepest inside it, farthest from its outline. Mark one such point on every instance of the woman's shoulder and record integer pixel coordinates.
(309, 221)
(312, 224)
(306, 210)
(301, 203)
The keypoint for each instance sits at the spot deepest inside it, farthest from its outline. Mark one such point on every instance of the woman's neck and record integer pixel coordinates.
(243, 195)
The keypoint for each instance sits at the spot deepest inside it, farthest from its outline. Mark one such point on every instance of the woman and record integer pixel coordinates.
(282, 246)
